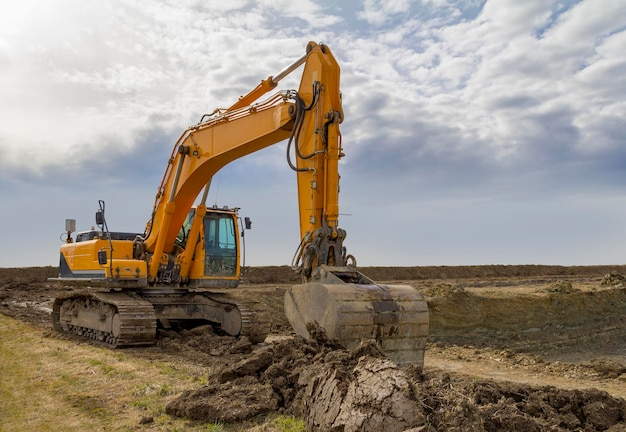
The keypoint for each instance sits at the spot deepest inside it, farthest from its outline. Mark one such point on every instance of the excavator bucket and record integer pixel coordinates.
(352, 308)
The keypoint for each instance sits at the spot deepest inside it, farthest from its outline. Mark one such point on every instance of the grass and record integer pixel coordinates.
(280, 423)
(49, 384)
(289, 424)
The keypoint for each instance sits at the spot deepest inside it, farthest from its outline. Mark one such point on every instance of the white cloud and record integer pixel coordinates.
(87, 78)
(306, 10)
(380, 11)
(443, 100)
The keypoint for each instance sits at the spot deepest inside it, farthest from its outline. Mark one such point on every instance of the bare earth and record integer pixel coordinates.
(511, 348)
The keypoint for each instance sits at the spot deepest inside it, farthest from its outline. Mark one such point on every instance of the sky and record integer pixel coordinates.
(475, 132)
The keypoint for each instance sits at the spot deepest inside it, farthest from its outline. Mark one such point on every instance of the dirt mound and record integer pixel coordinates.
(285, 275)
(443, 289)
(453, 403)
(416, 273)
(306, 377)
(337, 390)
(232, 401)
(613, 279)
(556, 315)
(560, 287)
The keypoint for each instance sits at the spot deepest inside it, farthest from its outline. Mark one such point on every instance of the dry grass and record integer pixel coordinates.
(51, 384)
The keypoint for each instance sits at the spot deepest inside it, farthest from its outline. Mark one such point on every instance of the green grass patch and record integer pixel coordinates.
(288, 424)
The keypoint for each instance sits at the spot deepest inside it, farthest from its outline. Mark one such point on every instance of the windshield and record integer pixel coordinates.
(220, 245)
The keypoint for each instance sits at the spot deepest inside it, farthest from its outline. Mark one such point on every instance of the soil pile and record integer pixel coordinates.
(613, 279)
(364, 390)
(453, 403)
(359, 390)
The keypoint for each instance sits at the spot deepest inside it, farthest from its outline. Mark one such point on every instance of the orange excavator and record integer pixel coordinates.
(185, 266)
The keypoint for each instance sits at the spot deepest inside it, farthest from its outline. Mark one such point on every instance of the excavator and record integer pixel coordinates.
(186, 265)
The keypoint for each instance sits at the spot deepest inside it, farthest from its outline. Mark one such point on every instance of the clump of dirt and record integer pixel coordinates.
(563, 287)
(606, 368)
(202, 343)
(232, 401)
(374, 395)
(613, 279)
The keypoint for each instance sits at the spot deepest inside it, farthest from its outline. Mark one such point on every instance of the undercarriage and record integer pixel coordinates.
(125, 319)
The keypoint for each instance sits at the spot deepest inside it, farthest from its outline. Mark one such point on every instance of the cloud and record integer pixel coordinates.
(449, 105)
(492, 94)
(378, 12)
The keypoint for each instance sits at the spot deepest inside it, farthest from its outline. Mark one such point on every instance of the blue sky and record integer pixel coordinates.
(475, 132)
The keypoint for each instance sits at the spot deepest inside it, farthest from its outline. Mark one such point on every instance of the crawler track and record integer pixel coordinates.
(256, 321)
(116, 319)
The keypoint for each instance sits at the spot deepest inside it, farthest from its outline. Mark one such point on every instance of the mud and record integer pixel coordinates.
(466, 404)
(338, 390)
(516, 348)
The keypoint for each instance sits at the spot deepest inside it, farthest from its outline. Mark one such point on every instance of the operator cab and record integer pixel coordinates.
(219, 239)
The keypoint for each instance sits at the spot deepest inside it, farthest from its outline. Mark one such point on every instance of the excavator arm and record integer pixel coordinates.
(200, 153)
(309, 118)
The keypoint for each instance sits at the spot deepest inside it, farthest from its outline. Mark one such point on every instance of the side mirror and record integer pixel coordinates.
(99, 218)
(247, 222)
(70, 225)
(102, 257)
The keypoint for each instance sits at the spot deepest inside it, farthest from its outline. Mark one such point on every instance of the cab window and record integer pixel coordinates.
(220, 244)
